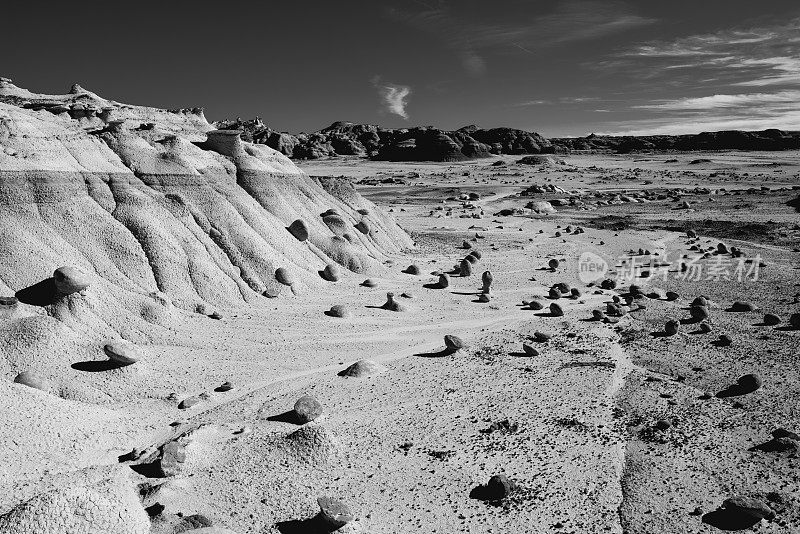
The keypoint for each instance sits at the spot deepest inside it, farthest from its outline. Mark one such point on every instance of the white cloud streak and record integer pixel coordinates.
(394, 97)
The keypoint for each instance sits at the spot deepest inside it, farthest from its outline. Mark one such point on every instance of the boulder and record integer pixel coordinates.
(750, 507)
(453, 343)
(123, 352)
(363, 368)
(444, 281)
(306, 409)
(331, 273)
(334, 513)
(299, 230)
(740, 306)
(339, 310)
(284, 276)
(412, 269)
(70, 280)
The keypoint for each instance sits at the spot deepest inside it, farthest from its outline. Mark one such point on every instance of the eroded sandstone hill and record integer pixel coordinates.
(160, 214)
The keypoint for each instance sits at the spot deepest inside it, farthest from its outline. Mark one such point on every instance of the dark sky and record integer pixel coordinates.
(559, 67)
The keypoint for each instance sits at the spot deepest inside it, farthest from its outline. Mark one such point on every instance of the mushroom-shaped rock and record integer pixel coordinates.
(563, 287)
(412, 269)
(542, 337)
(225, 386)
(123, 352)
(339, 310)
(740, 306)
(750, 382)
(556, 310)
(307, 408)
(70, 280)
(299, 230)
(453, 343)
(284, 276)
(749, 508)
(529, 350)
(334, 513)
(363, 368)
(465, 268)
(608, 283)
(672, 327)
(487, 280)
(499, 487)
(188, 402)
(32, 380)
(331, 272)
(391, 304)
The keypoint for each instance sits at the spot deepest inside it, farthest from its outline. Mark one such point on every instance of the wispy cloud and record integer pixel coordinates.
(739, 78)
(780, 99)
(790, 120)
(394, 97)
(744, 57)
(474, 39)
(564, 100)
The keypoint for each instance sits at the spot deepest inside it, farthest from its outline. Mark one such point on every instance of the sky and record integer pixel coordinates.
(557, 67)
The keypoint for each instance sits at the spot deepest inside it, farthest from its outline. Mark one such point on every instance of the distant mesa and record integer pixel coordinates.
(428, 143)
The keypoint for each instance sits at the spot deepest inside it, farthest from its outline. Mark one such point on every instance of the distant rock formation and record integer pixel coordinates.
(470, 142)
(772, 139)
(404, 144)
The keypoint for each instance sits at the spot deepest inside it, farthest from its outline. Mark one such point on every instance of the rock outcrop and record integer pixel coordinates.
(772, 139)
(161, 213)
(414, 144)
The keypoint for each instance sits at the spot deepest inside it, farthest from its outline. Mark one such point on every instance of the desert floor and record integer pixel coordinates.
(575, 426)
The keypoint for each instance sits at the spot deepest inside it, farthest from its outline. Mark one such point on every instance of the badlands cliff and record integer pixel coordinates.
(160, 215)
